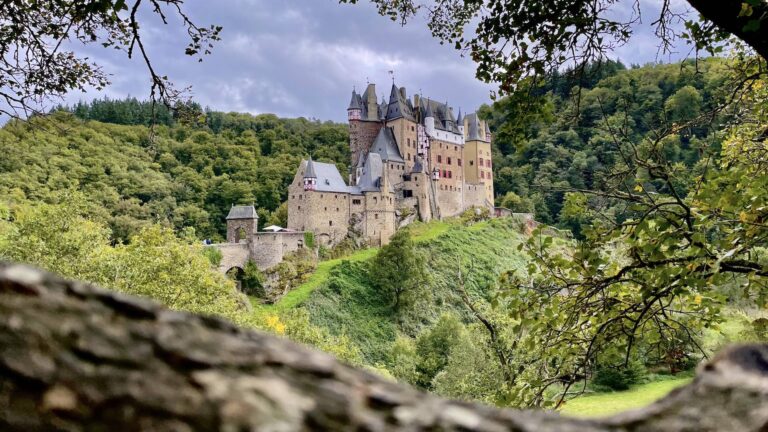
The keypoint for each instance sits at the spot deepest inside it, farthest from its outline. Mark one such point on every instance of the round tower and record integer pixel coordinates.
(429, 120)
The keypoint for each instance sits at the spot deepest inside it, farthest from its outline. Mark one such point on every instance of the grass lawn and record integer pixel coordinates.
(605, 404)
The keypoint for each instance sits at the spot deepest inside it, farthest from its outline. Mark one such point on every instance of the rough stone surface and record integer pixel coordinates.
(75, 357)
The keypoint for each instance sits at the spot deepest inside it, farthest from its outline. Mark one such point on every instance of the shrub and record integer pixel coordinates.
(619, 377)
(214, 255)
(253, 280)
(309, 239)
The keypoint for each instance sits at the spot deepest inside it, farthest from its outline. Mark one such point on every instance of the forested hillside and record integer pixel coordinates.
(175, 174)
(568, 136)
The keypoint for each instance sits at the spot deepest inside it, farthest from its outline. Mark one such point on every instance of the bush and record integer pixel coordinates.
(309, 239)
(619, 377)
(214, 255)
(253, 280)
(474, 215)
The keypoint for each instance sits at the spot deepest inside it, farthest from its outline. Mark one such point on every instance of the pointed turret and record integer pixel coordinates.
(310, 177)
(355, 110)
(429, 119)
(460, 120)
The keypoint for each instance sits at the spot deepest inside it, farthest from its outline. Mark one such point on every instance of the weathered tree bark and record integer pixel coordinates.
(77, 357)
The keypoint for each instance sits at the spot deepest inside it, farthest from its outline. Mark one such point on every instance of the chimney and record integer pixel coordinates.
(402, 93)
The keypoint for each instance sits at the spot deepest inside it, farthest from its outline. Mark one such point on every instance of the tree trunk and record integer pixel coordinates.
(725, 15)
(76, 357)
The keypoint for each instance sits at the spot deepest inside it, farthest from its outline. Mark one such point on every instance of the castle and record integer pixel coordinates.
(410, 159)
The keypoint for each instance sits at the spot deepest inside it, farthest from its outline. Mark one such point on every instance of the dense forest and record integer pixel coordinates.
(561, 135)
(178, 174)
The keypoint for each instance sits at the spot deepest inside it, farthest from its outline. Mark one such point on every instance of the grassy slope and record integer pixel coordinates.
(604, 404)
(348, 304)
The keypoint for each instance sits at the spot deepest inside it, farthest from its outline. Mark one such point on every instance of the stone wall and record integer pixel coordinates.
(248, 227)
(361, 137)
(474, 195)
(232, 255)
(326, 214)
(268, 248)
(379, 219)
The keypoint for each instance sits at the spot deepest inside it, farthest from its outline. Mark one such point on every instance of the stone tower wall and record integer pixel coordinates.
(361, 137)
(250, 226)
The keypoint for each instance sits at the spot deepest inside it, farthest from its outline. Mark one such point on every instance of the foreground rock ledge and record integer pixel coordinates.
(77, 357)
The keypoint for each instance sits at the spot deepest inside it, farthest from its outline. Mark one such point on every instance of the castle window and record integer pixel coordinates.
(330, 223)
(439, 159)
(488, 163)
(458, 161)
(407, 193)
(356, 202)
(376, 216)
(299, 207)
(455, 148)
(375, 200)
(413, 128)
(449, 160)
(335, 196)
(409, 156)
(482, 174)
(450, 174)
(299, 196)
(321, 195)
(481, 161)
(337, 209)
(471, 162)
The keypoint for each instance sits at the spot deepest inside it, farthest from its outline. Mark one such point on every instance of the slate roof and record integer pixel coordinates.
(473, 126)
(242, 212)
(417, 166)
(328, 177)
(372, 172)
(442, 113)
(355, 103)
(399, 106)
(309, 171)
(385, 145)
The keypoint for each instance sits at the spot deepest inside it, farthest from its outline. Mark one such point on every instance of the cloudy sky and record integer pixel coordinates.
(303, 57)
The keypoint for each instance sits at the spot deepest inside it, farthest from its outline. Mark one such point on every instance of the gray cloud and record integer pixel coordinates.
(302, 58)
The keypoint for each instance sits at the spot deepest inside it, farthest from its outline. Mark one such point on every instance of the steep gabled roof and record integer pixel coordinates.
(242, 212)
(442, 114)
(385, 145)
(328, 177)
(399, 106)
(370, 180)
(473, 127)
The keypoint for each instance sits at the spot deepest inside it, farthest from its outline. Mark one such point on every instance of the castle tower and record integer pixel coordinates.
(310, 177)
(355, 110)
(242, 224)
(429, 120)
(460, 122)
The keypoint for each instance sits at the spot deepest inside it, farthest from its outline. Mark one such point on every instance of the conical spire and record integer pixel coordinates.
(394, 94)
(354, 104)
(429, 110)
(309, 172)
(460, 120)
